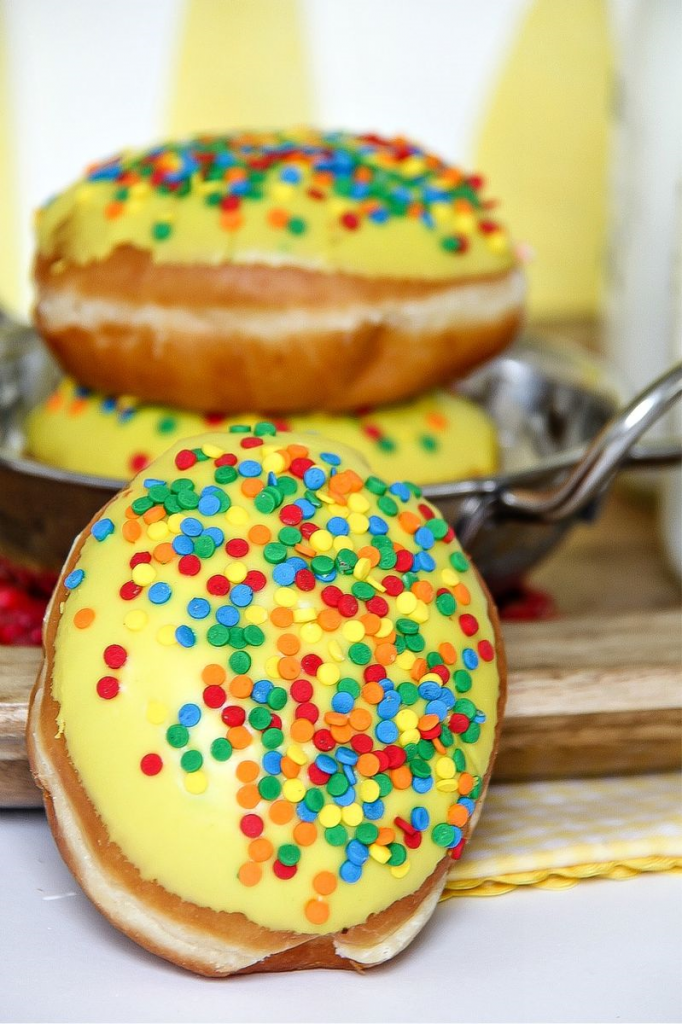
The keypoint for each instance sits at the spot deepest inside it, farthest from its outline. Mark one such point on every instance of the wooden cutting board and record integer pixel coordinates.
(587, 696)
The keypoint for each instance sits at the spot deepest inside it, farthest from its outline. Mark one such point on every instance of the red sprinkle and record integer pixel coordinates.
(115, 656)
(185, 459)
(214, 696)
(486, 650)
(151, 764)
(323, 739)
(284, 870)
(189, 565)
(218, 585)
(469, 624)
(237, 547)
(107, 687)
(310, 663)
(233, 715)
(251, 825)
(301, 690)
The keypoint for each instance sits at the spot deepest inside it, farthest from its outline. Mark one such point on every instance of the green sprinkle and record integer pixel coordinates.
(272, 738)
(254, 636)
(359, 654)
(337, 785)
(265, 427)
(204, 546)
(407, 626)
(462, 680)
(277, 697)
(225, 475)
(240, 662)
(274, 553)
(270, 787)
(375, 485)
(472, 734)
(458, 561)
(366, 833)
(428, 442)
(387, 505)
(166, 425)
(314, 800)
(260, 718)
(218, 635)
(409, 693)
(161, 230)
(142, 505)
(459, 759)
(177, 736)
(191, 761)
(322, 565)
(296, 226)
(336, 836)
(289, 854)
(398, 855)
(221, 749)
(443, 834)
(289, 535)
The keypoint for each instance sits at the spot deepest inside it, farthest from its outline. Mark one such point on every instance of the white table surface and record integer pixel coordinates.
(601, 951)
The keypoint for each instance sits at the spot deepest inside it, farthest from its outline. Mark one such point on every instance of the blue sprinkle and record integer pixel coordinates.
(357, 852)
(377, 526)
(342, 703)
(151, 481)
(183, 545)
(191, 527)
(437, 707)
(272, 762)
(314, 477)
(241, 595)
(420, 819)
(284, 574)
(350, 872)
(185, 636)
(457, 836)
(226, 615)
(326, 763)
(102, 528)
(291, 174)
(126, 414)
(159, 593)
(296, 563)
(338, 526)
(387, 708)
(423, 561)
(373, 811)
(380, 215)
(346, 799)
(470, 658)
(422, 785)
(350, 774)
(328, 578)
(306, 507)
(209, 505)
(469, 804)
(429, 691)
(424, 538)
(346, 755)
(108, 403)
(447, 697)
(198, 608)
(400, 490)
(479, 717)
(304, 812)
(74, 579)
(272, 479)
(330, 458)
(189, 715)
(386, 732)
(261, 690)
(387, 684)
(249, 467)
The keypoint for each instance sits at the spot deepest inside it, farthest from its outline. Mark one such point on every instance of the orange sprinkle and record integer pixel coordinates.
(324, 882)
(154, 514)
(329, 619)
(289, 768)
(409, 521)
(247, 771)
(131, 530)
(437, 420)
(360, 719)
(250, 874)
(438, 745)
(251, 487)
(371, 622)
(447, 653)
(281, 617)
(341, 733)
(83, 618)
(386, 836)
(288, 643)
(401, 777)
(462, 594)
(281, 811)
(277, 218)
(340, 483)
(297, 451)
(260, 849)
(259, 534)
(335, 718)
(305, 550)
(286, 456)
(458, 815)
(213, 675)
(113, 210)
(248, 797)
(371, 554)
(368, 765)
(163, 553)
(373, 693)
(288, 668)
(466, 783)
(419, 669)
(129, 514)
(305, 833)
(302, 730)
(428, 722)
(239, 737)
(241, 686)
(356, 482)
(54, 402)
(231, 220)
(317, 911)
(385, 654)
(423, 590)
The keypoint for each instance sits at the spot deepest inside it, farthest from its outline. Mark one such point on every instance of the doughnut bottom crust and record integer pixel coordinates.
(205, 941)
(277, 339)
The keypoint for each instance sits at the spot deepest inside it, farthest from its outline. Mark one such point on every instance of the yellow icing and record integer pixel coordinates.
(428, 207)
(435, 438)
(182, 828)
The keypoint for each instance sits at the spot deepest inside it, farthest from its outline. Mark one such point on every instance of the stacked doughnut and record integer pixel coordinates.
(269, 706)
(285, 272)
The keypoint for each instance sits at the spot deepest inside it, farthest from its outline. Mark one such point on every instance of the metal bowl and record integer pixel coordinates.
(547, 399)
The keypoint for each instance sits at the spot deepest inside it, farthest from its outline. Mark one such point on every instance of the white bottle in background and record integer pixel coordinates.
(643, 304)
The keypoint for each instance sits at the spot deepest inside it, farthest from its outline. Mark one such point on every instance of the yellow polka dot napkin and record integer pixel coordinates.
(553, 834)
